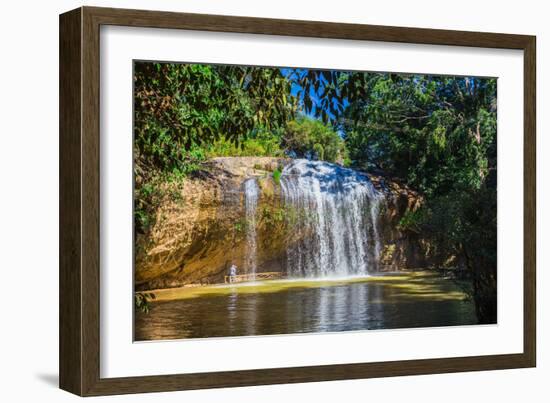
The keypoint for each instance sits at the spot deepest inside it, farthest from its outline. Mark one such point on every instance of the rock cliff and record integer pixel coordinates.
(199, 227)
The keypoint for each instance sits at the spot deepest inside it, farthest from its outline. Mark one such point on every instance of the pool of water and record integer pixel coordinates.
(381, 301)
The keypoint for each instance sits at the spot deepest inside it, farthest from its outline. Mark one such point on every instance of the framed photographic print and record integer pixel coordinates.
(249, 201)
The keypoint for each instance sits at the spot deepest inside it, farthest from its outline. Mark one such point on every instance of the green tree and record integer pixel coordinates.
(179, 107)
(437, 134)
(310, 138)
(185, 113)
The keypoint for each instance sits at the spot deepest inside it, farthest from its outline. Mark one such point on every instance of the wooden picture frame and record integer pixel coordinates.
(79, 346)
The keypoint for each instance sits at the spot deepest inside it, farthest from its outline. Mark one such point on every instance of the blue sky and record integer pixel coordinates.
(296, 88)
(297, 91)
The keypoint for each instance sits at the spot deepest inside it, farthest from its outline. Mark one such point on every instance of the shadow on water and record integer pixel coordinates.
(284, 307)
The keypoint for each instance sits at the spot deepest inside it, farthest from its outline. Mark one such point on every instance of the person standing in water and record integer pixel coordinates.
(232, 273)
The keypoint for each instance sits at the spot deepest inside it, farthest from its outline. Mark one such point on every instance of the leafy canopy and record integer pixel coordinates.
(310, 138)
(438, 135)
(180, 106)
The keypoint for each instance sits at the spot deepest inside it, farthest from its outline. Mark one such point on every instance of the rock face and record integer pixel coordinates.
(200, 228)
(402, 250)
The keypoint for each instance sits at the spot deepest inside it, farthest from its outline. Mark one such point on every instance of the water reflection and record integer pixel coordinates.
(239, 311)
(232, 310)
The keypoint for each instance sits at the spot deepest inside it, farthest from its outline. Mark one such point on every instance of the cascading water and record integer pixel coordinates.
(336, 230)
(251, 194)
(334, 214)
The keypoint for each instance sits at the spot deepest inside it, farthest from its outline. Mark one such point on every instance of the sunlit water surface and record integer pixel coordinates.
(382, 301)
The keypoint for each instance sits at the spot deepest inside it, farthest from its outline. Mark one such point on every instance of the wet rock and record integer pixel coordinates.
(200, 226)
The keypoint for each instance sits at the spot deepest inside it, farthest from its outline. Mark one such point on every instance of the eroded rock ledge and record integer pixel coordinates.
(199, 231)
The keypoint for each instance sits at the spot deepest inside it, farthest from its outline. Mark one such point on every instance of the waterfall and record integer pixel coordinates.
(251, 194)
(336, 233)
